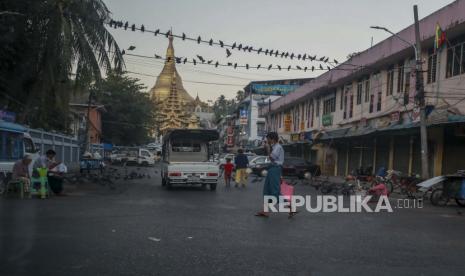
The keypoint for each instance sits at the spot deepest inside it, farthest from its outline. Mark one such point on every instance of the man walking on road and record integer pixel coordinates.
(242, 162)
(273, 178)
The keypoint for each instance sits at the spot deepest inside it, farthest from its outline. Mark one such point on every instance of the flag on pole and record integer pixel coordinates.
(440, 37)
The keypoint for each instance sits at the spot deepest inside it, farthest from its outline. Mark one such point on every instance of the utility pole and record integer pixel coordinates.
(420, 97)
(87, 137)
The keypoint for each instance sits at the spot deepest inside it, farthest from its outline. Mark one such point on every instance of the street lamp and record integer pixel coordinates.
(419, 90)
(400, 38)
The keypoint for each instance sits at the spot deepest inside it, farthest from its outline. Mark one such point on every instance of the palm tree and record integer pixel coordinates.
(71, 48)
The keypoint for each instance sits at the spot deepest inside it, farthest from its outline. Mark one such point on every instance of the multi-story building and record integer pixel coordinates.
(363, 113)
(250, 125)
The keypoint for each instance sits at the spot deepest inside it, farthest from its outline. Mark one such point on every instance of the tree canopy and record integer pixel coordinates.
(48, 50)
(128, 119)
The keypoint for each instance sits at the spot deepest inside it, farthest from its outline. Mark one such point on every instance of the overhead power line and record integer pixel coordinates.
(233, 46)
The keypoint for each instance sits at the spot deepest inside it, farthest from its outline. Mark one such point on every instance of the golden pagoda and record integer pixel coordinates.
(174, 107)
(161, 89)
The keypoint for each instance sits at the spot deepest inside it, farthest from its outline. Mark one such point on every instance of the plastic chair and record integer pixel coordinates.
(18, 184)
(44, 188)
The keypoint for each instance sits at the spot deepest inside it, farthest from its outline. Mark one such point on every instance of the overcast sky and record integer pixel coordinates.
(333, 28)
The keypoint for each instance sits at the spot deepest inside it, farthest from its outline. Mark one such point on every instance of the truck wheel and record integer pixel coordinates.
(212, 187)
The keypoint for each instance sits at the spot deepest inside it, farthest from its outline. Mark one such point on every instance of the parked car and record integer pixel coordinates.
(293, 166)
(258, 164)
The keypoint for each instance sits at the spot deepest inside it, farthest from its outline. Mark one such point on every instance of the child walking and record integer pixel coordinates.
(228, 168)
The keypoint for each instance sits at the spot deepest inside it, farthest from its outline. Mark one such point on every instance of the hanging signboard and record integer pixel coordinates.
(295, 137)
(416, 114)
(243, 117)
(273, 89)
(327, 120)
(395, 117)
(230, 141)
(230, 131)
(287, 122)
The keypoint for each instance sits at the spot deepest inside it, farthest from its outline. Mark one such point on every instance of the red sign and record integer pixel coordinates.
(230, 141)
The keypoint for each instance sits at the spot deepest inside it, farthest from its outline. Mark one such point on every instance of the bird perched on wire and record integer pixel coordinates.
(142, 28)
(131, 48)
(269, 67)
(259, 51)
(133, 27)
(199, 39)
(304, 57)
(321, 67)
(288, 68)
(292, 56)
(266, 52)
(258, 66)
(221, 44)
(157, 56)
(335, 61)
(271, 52)
(228, 53)
(235, 65)
(233, 46)
(184, 61)
(313, 68)
(305, 69)
(178, 60)
(299, 56)
(126, 25)
(210, 42)
(322, 58)
(276, 54)
(123, 52)
(240, 46)
(298, 67)
(156, 32)
(247, 66)
(312, 58)
(329, 68)
(282, 54)
(210, 61)
(201, 58)
(245, 48)
(327, 59)
(183, 36)
(194, 61)
(167, 34)
(279, 67)
(216, 64)
(287, 54)
(250, 49)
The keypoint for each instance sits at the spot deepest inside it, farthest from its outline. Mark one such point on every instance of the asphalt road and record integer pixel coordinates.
(142, 229)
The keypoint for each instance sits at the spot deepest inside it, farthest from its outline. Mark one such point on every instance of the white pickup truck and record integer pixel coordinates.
(185, 158)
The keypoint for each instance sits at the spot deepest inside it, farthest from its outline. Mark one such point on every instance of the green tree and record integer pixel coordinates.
(222, 107)
(129, 117)
(48, 49)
